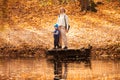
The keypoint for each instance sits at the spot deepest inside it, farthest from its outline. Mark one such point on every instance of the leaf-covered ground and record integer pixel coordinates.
(31, 24)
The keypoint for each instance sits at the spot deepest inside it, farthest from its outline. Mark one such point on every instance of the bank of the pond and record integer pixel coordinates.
(112, 51)
(24, 51)
(37, 52)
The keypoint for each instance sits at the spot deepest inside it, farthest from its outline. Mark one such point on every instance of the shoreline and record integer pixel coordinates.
(39, 52)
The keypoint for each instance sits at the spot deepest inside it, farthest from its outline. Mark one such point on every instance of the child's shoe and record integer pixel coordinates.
(59, 47)
(54, 48)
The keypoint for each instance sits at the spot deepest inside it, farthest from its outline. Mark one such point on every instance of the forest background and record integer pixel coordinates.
(27, 25)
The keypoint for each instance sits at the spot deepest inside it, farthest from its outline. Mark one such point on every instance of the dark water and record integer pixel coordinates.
(41, 69)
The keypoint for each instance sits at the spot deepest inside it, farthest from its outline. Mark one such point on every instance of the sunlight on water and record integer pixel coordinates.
(41, 69)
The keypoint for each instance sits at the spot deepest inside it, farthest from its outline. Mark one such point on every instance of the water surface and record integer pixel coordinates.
(41, 69)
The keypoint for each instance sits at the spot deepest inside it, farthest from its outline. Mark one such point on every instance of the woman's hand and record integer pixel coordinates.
(66, 30)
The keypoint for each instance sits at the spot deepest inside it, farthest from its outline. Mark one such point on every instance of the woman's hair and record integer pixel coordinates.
(62, 9)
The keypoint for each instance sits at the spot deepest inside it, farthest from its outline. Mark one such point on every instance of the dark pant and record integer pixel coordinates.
(56, 41)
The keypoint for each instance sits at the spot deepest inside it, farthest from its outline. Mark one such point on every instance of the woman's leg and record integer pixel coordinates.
(64, 37)
(60, 38)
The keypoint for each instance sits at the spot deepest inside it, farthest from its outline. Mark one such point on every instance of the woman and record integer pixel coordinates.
(63, 27)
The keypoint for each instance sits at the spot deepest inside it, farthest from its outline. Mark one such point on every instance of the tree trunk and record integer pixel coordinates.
(63, 1)
(60, 1)
(84, 4)
(88, 5)
(4, 10)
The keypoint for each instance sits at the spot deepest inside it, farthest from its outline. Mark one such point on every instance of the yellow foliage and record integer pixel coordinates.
(40, 15)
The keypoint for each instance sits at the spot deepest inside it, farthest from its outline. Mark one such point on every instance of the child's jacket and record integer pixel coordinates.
(56, 33)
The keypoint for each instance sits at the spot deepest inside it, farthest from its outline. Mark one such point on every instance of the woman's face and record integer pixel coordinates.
(62, 10)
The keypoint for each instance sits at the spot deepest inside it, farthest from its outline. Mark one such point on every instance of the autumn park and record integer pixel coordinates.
(26, 35)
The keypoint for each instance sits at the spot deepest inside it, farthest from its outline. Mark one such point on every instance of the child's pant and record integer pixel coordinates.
(56, 41)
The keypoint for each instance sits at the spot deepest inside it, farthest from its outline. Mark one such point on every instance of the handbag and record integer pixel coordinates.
(66, 24)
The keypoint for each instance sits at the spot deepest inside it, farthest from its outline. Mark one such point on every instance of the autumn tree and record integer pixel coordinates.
(4, 9)
(87, 5)
(3, 13)
(84, 4)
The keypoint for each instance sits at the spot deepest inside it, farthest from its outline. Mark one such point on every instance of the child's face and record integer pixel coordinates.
(56, 28)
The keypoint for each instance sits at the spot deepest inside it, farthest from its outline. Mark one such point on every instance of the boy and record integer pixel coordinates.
(56, 36)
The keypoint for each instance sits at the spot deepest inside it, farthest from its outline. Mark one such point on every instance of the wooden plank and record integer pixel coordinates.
(57, 51)
(52, 51)
(69, 54)
(62, 49)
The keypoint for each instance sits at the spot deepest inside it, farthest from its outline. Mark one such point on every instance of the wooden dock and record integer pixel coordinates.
(69, 54)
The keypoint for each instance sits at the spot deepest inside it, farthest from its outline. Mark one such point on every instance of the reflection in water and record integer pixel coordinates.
(61, 67)
(40, 69)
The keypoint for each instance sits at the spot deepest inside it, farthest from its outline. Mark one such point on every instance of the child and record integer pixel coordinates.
(56, 36)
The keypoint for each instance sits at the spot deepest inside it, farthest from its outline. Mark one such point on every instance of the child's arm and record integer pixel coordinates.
(56, 33)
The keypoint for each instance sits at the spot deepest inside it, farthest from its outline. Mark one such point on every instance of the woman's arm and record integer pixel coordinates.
(58, 19)
(67, 23)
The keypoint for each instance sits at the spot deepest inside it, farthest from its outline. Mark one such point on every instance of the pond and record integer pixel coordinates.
(42, 69)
